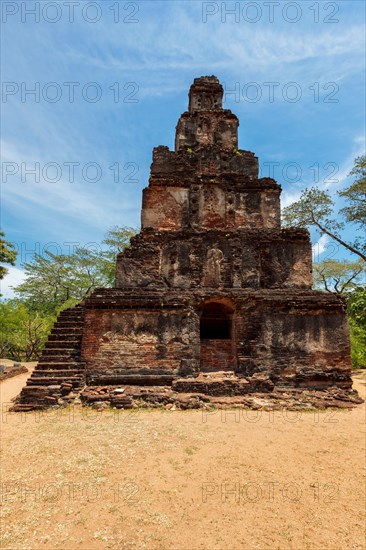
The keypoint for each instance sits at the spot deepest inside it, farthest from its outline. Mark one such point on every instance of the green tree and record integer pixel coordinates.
(115, 242)
(54, 279)
(339, 276)
(357, 321)
(53, 283)
(348, 279)
(22, 333)
(117, 239)
(355, 194)
(315, 208)
(357, 306)
(8, 254)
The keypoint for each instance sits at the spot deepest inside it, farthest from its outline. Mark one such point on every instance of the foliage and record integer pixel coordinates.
(53, 280)
(357, 306)
(22, 333)
(348, 278)
(54, 283)
(339, 276)
(115, 241)
(358, 345)
(7, 254)
(355, 194)
(357, 320)
(315, 208)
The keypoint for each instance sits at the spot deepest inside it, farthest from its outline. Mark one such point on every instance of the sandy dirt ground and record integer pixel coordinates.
(182, 480)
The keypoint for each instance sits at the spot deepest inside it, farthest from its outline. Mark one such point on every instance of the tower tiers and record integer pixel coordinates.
(207, 182)
(237, 258)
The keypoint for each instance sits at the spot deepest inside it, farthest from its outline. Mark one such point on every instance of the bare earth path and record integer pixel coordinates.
(191, 480)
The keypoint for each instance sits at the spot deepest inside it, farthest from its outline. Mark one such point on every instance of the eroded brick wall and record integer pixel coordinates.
(208, 190)
(244, 259)
(217, 355)
(294, 338)
(117, 341)
(306, 345)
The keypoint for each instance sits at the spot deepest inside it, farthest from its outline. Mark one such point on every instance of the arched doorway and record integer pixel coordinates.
(217, 336)
(215, 322)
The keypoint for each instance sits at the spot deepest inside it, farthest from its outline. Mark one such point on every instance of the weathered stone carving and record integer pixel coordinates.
(212, 275)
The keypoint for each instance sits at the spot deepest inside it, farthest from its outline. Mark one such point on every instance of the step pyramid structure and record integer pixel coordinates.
(213, 300)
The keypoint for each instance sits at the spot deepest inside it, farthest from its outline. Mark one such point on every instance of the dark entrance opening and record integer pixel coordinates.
(217, 335)
(215, 323)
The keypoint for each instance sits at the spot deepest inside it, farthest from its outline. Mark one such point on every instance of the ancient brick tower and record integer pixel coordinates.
(212, 298)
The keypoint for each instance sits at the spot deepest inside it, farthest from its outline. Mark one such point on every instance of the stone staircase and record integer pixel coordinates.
(59, 371)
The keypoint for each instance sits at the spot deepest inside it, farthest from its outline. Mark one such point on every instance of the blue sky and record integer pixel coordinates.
(150, 52)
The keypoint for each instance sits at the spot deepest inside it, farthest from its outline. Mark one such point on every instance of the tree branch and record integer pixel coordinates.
(333, 236)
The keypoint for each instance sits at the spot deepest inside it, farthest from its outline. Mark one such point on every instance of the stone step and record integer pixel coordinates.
(215, 386)
(59, 370)
(71, 316)
(55, 372)
(67, 324)
(73, 320)
(71, 329)
(65, 333)
(88, 398)
(76, 381)
(61, 365)
(121, 402)
(60, 351)
(131, 380)
(60, 357)
(19, 407)
(136, 372)
(58, 360)
(67, 321)
(73, 340)
(40, 394)
(61, 344)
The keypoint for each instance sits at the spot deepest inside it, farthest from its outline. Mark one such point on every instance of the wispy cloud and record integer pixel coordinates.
(163, 53)
(358, 149)
(13, 278)
(78, 201)
(320, 247)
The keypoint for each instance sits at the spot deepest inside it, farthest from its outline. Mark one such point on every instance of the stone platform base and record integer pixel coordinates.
(221, 390)
(208, 390)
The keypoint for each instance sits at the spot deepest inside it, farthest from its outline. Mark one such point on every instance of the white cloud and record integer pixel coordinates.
(73, 201)
(345, 168)
(163, 53)
(289, 197)
(187, 44)
(320, 247)
(13, 278)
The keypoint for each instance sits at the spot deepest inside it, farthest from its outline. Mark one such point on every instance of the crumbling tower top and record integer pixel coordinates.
(208, 183)
(205, 94)
(206, 123)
